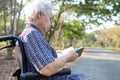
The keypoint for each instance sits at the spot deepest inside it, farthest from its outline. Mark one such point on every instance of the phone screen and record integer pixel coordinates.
(79, 51)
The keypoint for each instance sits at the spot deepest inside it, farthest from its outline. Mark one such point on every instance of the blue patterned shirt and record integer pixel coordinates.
(38, 52)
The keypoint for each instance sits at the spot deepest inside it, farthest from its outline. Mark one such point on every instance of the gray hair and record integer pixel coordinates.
(36, 6)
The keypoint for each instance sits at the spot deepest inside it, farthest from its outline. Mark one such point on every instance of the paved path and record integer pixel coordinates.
(99, 64)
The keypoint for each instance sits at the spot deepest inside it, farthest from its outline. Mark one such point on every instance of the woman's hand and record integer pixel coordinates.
(59, 51)
(72, 55)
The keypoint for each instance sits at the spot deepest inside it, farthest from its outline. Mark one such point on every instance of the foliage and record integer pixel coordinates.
(10, 11)
(98, 11)
(108, 38)
(73, 29)
(10, 22)
(70, 19)
(87, 13)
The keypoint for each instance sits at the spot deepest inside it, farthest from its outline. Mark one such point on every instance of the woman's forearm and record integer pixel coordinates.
(54, 66)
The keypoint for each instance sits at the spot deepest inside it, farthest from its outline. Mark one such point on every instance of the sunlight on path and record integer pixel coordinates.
(107, 57)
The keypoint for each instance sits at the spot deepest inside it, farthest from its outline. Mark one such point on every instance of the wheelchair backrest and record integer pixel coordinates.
(20, 47)
(23, 74)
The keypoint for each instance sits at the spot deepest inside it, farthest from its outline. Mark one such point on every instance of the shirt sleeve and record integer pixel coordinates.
(37, 50)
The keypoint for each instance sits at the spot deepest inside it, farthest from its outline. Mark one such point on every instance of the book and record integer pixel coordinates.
(67, 50)
(80, 50)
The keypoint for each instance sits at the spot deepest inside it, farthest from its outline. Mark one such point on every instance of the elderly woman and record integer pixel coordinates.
(41, 57)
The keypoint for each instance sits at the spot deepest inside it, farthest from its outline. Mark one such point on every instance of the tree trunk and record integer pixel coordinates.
(13, 16)
(56, 26)
(4, 10)
(9, 31)
(9, 53)
(71, 41)
(17, 23)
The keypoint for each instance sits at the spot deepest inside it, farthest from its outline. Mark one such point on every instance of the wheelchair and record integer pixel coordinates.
(22, 73)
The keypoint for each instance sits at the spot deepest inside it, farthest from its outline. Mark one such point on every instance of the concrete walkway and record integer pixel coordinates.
(98, 64)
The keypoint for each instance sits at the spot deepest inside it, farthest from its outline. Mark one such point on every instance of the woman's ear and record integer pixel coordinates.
(39, 15)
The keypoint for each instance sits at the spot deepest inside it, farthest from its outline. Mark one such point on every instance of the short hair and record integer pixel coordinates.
(36, 6)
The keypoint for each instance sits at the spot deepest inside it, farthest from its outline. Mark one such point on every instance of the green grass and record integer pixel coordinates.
(2, 44)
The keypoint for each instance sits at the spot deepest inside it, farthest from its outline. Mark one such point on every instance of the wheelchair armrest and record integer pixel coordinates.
(34, 76)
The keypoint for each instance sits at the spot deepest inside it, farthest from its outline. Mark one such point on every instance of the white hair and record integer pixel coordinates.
(36, 6)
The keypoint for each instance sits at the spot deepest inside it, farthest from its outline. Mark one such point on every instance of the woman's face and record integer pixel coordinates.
(45, 22)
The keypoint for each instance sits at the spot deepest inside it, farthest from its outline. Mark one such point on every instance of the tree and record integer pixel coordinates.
(95, 12)
(10, 15)
(105, 37)
(73, 30)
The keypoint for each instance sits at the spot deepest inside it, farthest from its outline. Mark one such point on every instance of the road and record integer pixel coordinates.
(98, 64)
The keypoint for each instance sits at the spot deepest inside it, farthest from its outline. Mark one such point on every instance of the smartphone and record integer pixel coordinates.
(80, 50)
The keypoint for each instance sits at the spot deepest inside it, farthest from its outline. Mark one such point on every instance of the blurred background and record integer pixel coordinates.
(86, 23)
